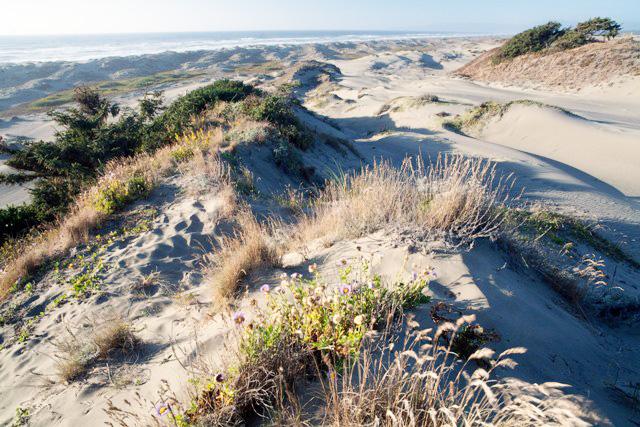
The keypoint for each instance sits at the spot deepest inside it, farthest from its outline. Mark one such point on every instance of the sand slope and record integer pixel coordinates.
(610, 154)
(575, 69)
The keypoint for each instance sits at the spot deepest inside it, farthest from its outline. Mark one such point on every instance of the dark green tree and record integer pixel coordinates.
(599, 27)
(533, 40)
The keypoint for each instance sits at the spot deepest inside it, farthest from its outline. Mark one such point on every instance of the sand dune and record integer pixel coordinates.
(388, 100)
(603, 151)
(596, 64)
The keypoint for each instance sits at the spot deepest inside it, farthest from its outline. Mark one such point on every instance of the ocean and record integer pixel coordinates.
(22, 49)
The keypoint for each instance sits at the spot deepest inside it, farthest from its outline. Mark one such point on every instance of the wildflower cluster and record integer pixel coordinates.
(333, 318)
(307, 323)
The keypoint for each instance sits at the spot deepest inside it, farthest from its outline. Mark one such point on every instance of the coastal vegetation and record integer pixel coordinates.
(552, 37)
(103, 158)
(97, 131)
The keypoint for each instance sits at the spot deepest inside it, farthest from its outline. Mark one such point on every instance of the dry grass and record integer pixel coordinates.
(392, 382)
(422, 383)
(76, 227)
(453, 197)
(78, 352)
(595, 63)
(250, 247)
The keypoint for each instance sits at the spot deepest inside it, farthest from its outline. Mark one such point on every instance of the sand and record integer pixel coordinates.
(605, 151)
(377, 99)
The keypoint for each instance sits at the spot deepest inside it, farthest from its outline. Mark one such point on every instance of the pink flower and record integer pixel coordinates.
(162, 409)
(265, 289)
(345, 289)
(239, 317)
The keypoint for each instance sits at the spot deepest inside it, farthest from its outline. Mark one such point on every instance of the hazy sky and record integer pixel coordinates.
(116, 16)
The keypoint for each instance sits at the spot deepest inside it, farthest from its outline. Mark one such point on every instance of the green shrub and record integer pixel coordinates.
(551, 37)
(182, 153)
(14, 219)
(97, 131)
(177, 118)
(15, 178)
(570, 40)
(601, 27)
(276, 109)
(52, 196)
(285, 156)
(117, 194)
(532, 40)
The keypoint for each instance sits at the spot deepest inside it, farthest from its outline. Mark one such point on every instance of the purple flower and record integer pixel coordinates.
(371, 285)
(162, 409)
(220, 378)
(239, 317)
(414, 276)
(265, 288)
(345, 289)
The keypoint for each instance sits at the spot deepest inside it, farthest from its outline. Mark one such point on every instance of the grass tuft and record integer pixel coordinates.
(453, 197)
(251, 247)
(111, 339)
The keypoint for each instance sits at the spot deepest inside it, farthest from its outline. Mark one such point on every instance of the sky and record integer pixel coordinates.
(23, 17)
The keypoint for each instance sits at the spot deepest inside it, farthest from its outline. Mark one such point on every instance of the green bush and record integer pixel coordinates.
(182, 153)
(551, 37)
(117, 194)
(285, 156)
(532, 40)
(276, 109)
(602, 27)
(97, 131)
(178, 117)
(14, 219)
(570, 40)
